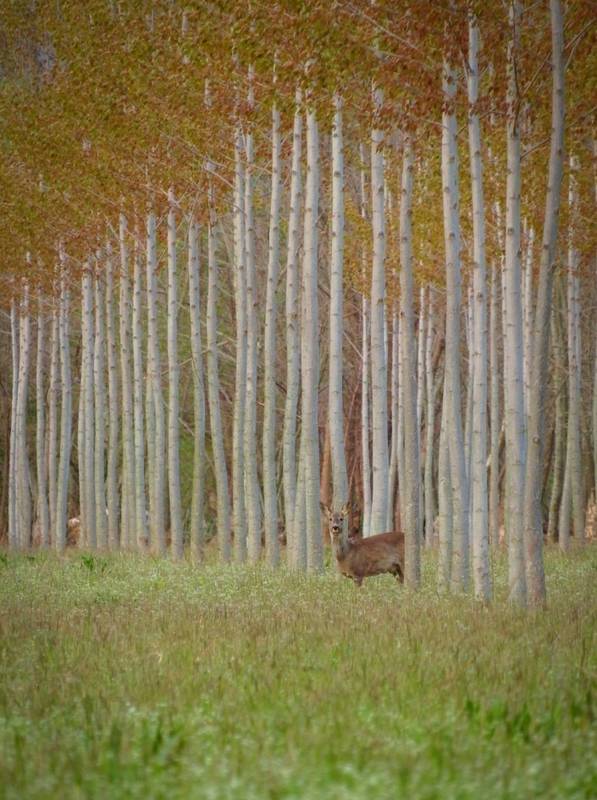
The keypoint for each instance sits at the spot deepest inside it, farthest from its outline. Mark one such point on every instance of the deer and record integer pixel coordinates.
(361, 558)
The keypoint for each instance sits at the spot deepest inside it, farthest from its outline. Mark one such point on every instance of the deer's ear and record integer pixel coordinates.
(324, 508)
(344, 510)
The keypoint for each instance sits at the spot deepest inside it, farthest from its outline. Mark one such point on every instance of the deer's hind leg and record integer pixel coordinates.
(397, 573)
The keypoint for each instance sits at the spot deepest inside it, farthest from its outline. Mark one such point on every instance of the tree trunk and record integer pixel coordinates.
(59, 533)
(478, 479)
(173, 390)
(197, 527)
(114, 409)
(336, 409)
(43, 516)
(560, 428)
(365, 329)
(240, 389)
(13, 527)
(101, 521)
(53, 418)
(213, 384)
(129, 523)
(494, 412)
(142, 532)
(292, 325)
(533, 517)
(429, 424)
(310, 351)
(270, 499)
(411, 477)
(379, 384)
(513, 377)
(23, 494)
(445, 500)
(156, 421)
(454, 432)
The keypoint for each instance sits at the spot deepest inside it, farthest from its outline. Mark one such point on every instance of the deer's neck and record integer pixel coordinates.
(341, 548)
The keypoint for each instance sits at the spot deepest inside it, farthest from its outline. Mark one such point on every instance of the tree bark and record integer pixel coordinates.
(43, 516)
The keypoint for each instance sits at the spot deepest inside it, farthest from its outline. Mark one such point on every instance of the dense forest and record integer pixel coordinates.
(258, 255)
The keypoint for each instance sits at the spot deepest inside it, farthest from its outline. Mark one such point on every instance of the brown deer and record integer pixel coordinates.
(360, 558)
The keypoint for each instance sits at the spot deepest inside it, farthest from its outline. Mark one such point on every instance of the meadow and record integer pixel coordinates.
(127, 677)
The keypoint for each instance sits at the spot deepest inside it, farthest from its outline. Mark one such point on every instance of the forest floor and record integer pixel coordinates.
(131, 677)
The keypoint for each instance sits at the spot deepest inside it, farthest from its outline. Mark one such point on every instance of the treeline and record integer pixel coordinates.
(271, 253)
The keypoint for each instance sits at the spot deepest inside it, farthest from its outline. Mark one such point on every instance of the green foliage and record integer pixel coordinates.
(141, 678)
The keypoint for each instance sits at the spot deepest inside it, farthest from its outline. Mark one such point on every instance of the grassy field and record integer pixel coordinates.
(127, 677)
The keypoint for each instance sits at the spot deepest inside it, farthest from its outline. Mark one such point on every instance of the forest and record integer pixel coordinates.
(292, 292)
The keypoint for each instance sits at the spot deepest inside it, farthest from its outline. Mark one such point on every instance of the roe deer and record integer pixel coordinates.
(360, 558)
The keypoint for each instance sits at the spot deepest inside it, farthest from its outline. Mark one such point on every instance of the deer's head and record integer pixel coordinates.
(335, 521)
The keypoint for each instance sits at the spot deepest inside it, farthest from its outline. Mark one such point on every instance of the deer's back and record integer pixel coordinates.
(375, 554)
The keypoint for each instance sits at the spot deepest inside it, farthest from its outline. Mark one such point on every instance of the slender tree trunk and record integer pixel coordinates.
(409, 512)
(379, 384)
(445, 500)
(527, 315)
(365, 328)
(252, 489)
(336, 409)
(292, 324)
(197, 529)
(494, 412)
(272, 546)
(173, 390)
(560, 430)
(454, 432)
(533, 522)
(479, 518)
(299, 525)
(213, 384)
(114, 409)
(53, 418)
(421, 361)
(13, 535)
(513, 377)
(429, 424)
(574, 366)
(142, 532)
(59, 533)
(394, 406)
(23, 491)
(81, 463)
(101, 521)
(129, 523)
(310, 351)
(157, 422)
(240, 390)
(43, 515)
(88, 408)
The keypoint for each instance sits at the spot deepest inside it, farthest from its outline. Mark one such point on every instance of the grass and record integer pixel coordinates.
(127, 677)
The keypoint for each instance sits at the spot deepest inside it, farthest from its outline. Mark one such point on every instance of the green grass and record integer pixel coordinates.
(127, 677)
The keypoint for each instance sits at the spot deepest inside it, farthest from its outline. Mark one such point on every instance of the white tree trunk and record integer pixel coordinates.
(113, 409)
(310, 351)
(533, 523)
(13, 528)
(53, 417)
(444, 487)
(238, 425)
(494, 411)
(23, 490)
(292, 324)
(454, 432)
(527, 316)
(101, 521)
(560, 428)
(43, 515)
(128, 524)
(365, 332)
(213, 384)
(409, 495)
(270, 500)
(142, 532)
(379, 383)
(574, 455)
(252, 489)
(197, 528)
(394, 406)
(88, 329)
(336, 409)
(173, 389)
(81, 463)
(59, 532)
(429, 424)
(513, 377)
(156, 419)
(479, 519)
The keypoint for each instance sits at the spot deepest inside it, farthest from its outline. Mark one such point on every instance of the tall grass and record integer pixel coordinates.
(137, 678)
